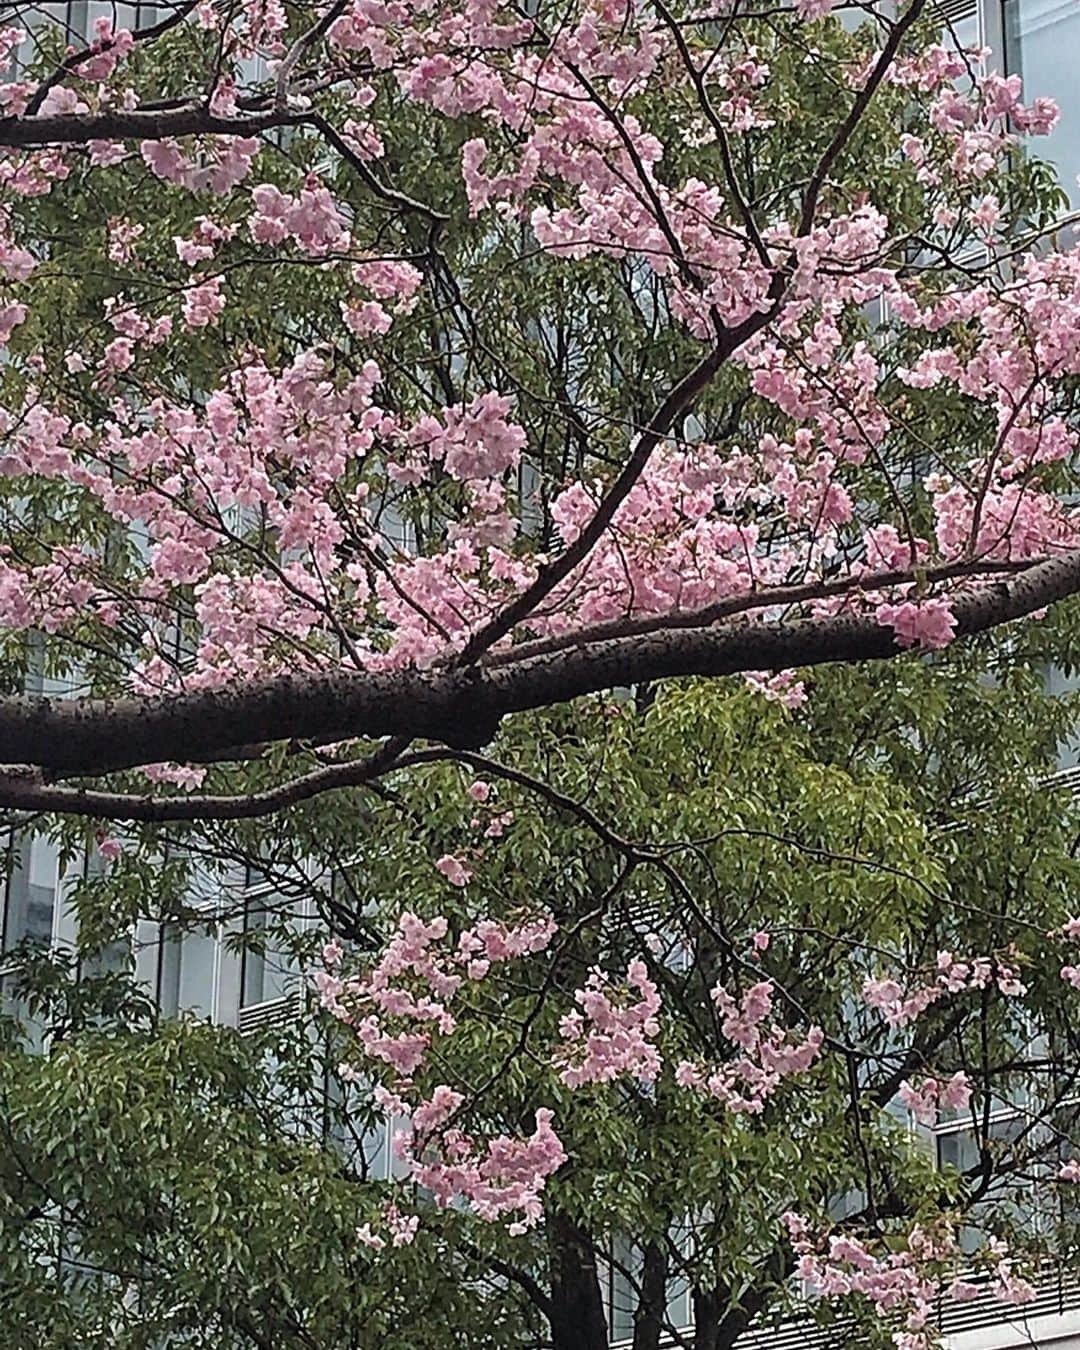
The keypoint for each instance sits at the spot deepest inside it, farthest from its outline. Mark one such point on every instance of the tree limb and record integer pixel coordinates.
(463, 708)
(138, 124)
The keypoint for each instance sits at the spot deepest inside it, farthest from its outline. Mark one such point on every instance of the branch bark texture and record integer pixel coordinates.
(463, 707)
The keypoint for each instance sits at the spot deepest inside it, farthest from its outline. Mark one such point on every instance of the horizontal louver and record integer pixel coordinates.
(274, 1012)
(954, 10)
(1058, 1293)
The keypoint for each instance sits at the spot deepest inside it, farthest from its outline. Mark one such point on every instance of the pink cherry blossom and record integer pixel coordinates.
(203, 304)
(926, 1099)
(395, 1011)
(901, 1283)
(608, 1036)
(109, 849)
(927, 624)
(764, 1053)
(454, 869)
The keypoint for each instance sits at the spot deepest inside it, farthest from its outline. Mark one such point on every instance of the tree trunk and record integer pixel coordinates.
(734, 1323)
(649, 1317)
(718, 1323)
(708, 1305)
(577, 1306)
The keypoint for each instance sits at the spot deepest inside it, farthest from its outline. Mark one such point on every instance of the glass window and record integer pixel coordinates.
(30, 893)
(156, 954)
(960, 24)
(1042, 38)
(196, 957)
(268, 973)
(624, 1291)
(1015, 1196)
(116, 956)
(167, 991)
(253, 978)
(624, 1275)
(266, 848)
(1058, 683)
(377, 1144)
(964, 31)
(27, 912)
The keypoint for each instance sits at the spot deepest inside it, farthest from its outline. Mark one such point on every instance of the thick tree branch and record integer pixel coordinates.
(21, 785)
(770, 597)
(138, 124)
(193, 119)
(464, 708)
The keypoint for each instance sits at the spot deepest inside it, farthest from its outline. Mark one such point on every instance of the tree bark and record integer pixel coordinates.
(719, 1322)
(652, 1304)
(577, 1306)
(708, 1306)
(462, 707)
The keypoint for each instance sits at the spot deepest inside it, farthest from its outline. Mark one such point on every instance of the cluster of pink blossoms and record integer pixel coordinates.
(700, 526)
(16, 264)
(393, 1012)
(1070, 1171)
(503, 1176)
(927, 623)
(311, 219)
(900, 1006)
(415, 981)
(400, 1229)
(770, 1054)
(924, 1100)
(107, 50)
(607, 1038)
(902, 1286)
(1071, 931)
(221, 164)
(669, 549)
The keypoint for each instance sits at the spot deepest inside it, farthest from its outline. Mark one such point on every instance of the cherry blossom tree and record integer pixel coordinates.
(385, 387)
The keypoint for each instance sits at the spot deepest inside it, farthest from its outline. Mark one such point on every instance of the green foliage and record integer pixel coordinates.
(205, 1177)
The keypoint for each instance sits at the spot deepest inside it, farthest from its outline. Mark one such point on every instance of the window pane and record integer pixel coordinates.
(1042, 38)
(195, 979)
(1009, 1196)
(253, 979)
(168, 973)
(960, 27)
(269, 971)
(30, 894)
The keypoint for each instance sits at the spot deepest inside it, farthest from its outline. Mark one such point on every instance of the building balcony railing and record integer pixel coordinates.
(274, 1012)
